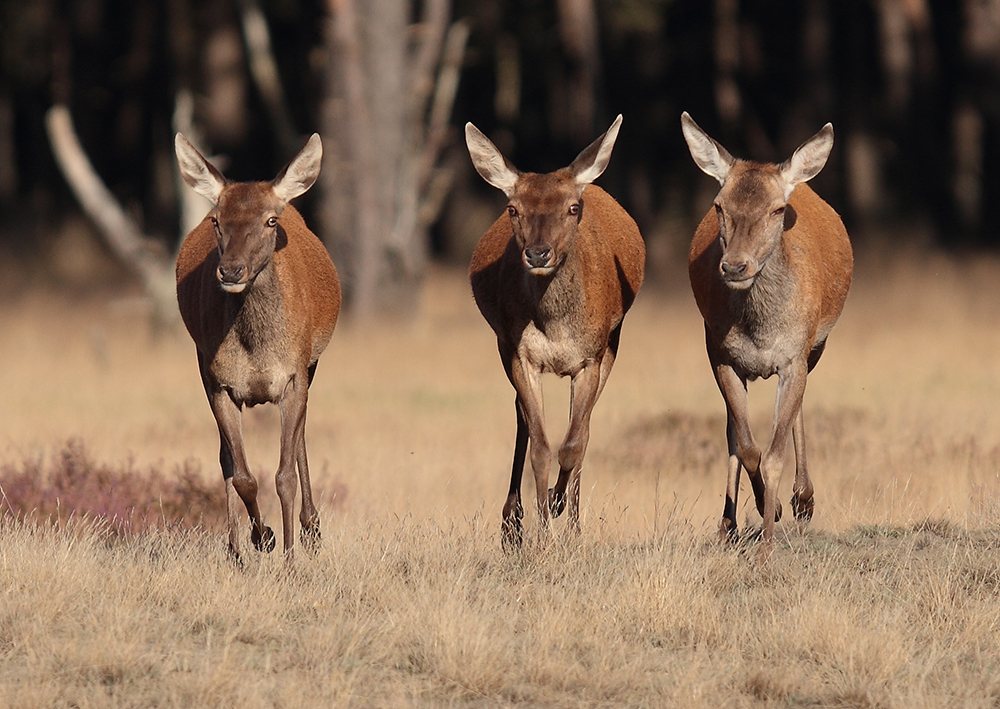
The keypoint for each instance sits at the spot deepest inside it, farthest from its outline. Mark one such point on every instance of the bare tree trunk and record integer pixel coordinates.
(381, 188)
(727, 61)
(578, 29)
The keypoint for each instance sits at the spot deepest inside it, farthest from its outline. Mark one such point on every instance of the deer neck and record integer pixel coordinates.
(256, 313)
(558, 295)
(771, 294)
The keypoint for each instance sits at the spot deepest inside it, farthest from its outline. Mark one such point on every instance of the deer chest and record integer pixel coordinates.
(558, 349)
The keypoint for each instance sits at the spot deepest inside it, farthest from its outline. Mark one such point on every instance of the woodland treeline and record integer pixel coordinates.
(911, 86)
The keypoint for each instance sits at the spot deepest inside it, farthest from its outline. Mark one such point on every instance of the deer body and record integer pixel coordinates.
(770, 268)
(260, 298)
(554, 278)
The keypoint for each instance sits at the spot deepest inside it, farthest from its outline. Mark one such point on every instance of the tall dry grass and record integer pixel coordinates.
(889, 599)
(405, 612)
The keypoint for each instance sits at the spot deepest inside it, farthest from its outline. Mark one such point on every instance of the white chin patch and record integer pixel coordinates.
(233, 287)
(741, 285)
(544, 271)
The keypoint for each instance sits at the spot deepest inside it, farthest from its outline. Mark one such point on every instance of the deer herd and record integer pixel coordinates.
(770, 267)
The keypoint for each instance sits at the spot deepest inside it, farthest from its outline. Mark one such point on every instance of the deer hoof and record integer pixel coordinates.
(512, 534)
(803, 508)
(263, 541)
(311, 538)
(728, 532)
(557, 502)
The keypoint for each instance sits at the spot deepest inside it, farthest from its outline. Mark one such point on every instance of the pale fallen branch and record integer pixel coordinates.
(139, 253)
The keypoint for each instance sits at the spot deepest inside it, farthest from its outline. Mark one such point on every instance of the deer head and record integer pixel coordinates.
(752, 202)
(544, 210)
(245, 214)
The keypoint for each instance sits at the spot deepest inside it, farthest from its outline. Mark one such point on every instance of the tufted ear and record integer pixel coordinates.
(708, 155)
(594, 159)
(489, 162)
(808, 159)
(198, 172)
(301, 173)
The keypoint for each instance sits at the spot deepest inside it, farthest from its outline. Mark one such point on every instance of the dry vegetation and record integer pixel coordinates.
(891, 598)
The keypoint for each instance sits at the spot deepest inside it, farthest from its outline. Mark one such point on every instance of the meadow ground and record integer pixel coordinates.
(890, 598)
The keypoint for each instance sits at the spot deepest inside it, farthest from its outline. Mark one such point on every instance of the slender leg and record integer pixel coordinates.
(788, 403)
(308, 515)
(585, 390)
(235, 469)
(734, 391)
(293, 420)
(803, 503)
(513, 511)
(527, 382)
(241, 481)
(728, 527)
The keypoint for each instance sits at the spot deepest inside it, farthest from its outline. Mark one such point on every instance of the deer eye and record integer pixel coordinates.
(272, 222)
(778, 212)
(718, 210)
(574, 209)
(511, 211)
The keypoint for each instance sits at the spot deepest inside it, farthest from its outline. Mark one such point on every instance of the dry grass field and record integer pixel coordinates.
(891, 598)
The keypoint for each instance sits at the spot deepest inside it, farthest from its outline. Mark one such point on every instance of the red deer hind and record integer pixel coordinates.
(260, 297)
(770, 266)
(554, 277)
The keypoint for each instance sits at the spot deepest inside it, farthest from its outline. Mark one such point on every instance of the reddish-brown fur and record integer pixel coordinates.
(563, 317)
(797, 258)
(260, 345)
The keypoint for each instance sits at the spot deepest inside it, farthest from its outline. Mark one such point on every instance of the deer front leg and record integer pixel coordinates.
(741, 444)
(236, 471)
(788, 403)
(585, 390)
(728, 527)
(527, 381)
(293, 421)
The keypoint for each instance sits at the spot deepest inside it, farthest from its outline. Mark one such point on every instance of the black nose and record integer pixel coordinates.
(537, 256)
(230, 275)
(734, 270)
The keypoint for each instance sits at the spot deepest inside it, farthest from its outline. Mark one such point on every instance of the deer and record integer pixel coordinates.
(260, 297)
(553, 277)
(770, 267)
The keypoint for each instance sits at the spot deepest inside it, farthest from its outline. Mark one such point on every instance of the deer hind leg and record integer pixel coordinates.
(803, 503)
(236, 471)
(513, 512)
(308, 515)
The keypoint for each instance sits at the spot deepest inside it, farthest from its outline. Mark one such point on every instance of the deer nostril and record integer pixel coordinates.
(230, 275)
(537, 256)
(730, 269)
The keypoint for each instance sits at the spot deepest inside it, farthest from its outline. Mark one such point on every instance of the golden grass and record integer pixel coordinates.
(891, 597)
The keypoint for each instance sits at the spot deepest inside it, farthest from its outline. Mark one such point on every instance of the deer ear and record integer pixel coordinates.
(808, 159)
(489, 162)
(590, 163)
(198, 172)
(708, 155)
(301, 173)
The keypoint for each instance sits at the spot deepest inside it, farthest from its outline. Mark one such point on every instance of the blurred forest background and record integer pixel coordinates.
(92, 91)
